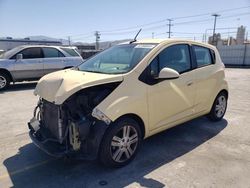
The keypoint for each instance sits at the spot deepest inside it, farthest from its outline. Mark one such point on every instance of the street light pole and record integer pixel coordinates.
(215, 18)
(169, 27)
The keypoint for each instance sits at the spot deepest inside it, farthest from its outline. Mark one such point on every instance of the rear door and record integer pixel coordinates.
(53, 60)
(205, 76)
(31, 66)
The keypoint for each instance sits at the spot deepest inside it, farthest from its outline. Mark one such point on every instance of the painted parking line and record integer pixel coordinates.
(6, 175)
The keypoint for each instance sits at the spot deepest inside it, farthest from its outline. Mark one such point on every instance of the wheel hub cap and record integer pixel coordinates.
(220, 107)
(3, 82)
(124, 144)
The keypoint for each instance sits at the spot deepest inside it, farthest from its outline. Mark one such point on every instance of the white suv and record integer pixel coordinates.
(25, 63)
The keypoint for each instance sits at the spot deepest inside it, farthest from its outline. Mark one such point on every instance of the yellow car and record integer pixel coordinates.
(104, 107)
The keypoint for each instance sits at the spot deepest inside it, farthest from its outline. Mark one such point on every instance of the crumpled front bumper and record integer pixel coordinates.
(50, 146)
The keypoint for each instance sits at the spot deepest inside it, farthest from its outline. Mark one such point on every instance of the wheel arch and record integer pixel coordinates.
(7, 72)
(220, 91)
(138, 119)
(223, 91)
(68, 67)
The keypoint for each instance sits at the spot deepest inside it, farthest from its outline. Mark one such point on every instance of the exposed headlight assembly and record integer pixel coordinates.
(101, 116)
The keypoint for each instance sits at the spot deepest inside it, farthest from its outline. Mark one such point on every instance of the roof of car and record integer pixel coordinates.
(38, 45)
(168, 41)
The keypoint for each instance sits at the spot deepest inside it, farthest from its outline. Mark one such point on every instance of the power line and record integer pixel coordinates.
(207, 14)
(187, 33)
(129, 30)
(174, 18)
(235, 15)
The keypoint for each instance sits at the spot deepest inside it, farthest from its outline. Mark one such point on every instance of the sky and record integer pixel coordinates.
(116, 19)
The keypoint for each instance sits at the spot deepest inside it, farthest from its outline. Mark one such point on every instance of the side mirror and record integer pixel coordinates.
(19, 56)
(167, 73)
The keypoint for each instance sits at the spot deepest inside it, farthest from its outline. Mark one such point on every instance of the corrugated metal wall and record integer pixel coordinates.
(235, 54)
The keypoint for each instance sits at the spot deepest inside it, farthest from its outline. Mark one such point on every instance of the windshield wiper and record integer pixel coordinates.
(93, 71)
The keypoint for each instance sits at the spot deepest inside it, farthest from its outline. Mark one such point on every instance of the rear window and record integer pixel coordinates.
(203, 56)
(52, 53)
(70, 51)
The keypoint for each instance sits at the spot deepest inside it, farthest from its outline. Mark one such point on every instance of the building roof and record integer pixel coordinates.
(25, 40)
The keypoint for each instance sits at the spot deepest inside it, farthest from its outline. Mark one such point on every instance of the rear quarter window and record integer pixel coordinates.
(203, 56)
(70, 51)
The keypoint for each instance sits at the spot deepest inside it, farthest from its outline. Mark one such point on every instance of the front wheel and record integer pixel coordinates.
(219, 107)
(120, 143)
(4, 81)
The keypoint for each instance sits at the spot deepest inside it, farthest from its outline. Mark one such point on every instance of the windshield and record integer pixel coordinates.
(6, 54)
(117, 59)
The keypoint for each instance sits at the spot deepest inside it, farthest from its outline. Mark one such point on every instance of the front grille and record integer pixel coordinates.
(50, 118)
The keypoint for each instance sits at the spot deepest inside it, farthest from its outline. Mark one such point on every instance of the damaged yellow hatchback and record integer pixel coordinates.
(104, 107)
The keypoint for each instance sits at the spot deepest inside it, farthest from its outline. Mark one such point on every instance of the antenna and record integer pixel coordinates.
(135, 37)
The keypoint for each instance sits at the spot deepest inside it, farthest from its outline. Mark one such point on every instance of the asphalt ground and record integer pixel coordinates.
(198, 153)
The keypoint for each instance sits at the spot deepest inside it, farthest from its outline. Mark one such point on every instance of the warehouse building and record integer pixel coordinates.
(9, 43)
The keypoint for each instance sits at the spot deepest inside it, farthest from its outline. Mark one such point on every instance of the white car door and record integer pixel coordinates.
(30, 66)
(54, 60)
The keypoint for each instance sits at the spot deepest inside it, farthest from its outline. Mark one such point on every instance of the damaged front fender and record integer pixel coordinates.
(75, 127)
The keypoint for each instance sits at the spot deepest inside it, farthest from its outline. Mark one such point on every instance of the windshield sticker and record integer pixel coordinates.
(145, 46)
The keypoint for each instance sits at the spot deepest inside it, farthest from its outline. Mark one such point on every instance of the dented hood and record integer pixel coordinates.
(58, 86)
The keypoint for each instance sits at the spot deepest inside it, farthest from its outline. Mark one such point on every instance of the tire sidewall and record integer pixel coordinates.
(7, 80)
(104, 151)
(213, 115)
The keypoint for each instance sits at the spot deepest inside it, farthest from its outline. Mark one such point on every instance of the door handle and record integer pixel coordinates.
(189, 83)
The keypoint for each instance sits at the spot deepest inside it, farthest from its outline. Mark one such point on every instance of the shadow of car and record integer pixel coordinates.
(20, 86)
(32, 168)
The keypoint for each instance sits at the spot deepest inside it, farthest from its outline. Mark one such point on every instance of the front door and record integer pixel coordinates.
(171, 100)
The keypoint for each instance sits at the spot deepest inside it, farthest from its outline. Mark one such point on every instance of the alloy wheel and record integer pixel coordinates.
(3, 82)
(124, 144)
(221, 105)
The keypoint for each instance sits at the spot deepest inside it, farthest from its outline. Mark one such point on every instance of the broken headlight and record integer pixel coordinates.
(101, 116)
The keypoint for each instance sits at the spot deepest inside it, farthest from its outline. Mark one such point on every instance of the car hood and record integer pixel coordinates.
(58, 86)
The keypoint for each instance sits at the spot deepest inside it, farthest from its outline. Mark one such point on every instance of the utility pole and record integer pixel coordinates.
(69, 40)
(97, 39)
(153, 34)
(215, 18)
(169, 27)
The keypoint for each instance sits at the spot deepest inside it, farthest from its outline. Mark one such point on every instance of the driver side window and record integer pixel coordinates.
(176, 57)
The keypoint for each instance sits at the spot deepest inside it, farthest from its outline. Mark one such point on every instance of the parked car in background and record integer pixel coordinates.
(1, 52)
(31, 62)
(105, 106)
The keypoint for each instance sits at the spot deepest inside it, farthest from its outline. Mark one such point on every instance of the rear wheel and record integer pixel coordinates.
(219, 107)
(4, 80)
(120, 144)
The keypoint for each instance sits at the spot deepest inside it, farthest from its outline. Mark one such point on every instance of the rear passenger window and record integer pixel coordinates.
(52, 52)
(203, 56)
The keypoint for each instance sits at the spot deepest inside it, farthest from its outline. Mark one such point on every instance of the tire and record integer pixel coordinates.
(120, 143)
(4, 81)
(219, 107)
